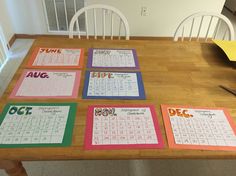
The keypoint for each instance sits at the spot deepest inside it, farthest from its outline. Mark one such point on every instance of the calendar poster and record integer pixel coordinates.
(113, 85)
(37, 124)
(56, 58)
(199, 128)
(122, 127)
(47, 84)
(112, 58)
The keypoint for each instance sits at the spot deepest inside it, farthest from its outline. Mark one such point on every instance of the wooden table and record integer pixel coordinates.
(181, 73)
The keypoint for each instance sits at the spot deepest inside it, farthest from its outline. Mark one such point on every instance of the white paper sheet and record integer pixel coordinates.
(113, 84)
(57, 57)
(123, 126)
(50, 84)
(113, 58)
(202, 127)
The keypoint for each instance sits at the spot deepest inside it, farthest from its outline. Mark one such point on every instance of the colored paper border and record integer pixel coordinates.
(67, 139)
(89, 130)
(35, 53)
(19, 82)
(90, 59)
(170, 136)
(141, 96)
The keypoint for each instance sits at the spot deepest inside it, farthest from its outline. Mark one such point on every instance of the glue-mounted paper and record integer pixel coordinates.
(122, 127)
(112, 58)
(56, 58)
(47, 84)
(37, 124)
(113, 85)
(199, 128)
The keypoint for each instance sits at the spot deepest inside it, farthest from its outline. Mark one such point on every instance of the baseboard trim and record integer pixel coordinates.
(11, 41)
(27, 36)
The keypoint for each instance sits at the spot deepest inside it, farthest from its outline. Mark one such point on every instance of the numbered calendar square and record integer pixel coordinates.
(199, 128)
(36, 124)
(113, 85)
(122, 127)
(56, 58)
(112, 58)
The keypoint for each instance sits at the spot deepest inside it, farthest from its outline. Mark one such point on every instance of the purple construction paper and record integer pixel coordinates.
(142, 95)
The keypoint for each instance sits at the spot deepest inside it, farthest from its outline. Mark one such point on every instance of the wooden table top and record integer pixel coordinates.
(180, 73)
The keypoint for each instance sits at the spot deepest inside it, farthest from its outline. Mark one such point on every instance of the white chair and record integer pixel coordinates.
(205, 25)
(105, 20)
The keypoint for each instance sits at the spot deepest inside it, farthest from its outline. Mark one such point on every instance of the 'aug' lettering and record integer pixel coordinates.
(37, 75)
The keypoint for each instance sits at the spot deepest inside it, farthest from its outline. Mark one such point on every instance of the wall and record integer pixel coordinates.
(162, 19)
(163, 15)
(27, 16)
(5, 21)
(231, 4)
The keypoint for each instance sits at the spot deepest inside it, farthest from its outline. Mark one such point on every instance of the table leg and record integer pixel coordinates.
(13, 168)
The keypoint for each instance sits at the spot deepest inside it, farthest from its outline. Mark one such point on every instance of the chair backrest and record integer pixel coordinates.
(205, 25)
(93, 21)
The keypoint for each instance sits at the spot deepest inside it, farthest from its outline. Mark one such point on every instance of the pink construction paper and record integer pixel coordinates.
(89, 131)
(18, 84)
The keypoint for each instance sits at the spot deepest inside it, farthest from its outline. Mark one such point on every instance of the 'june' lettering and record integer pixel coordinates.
(48, 50)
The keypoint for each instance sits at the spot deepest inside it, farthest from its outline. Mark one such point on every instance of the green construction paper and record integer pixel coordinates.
(67, 138)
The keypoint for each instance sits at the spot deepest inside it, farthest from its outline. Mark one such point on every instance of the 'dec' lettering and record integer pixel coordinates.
(179, 112)
(20, 110)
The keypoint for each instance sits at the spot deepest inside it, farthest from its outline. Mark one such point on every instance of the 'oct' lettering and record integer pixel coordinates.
(20, 110)
(179, 112)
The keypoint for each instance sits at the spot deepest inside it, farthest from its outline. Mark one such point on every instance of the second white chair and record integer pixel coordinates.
(205, 25)
(100, 20)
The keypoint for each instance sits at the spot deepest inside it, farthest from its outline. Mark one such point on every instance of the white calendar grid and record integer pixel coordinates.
(208, 131)
(34, 129)
(124, 129)
(119, 84)
(67, 57)
(58, 84)
(113, 58)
